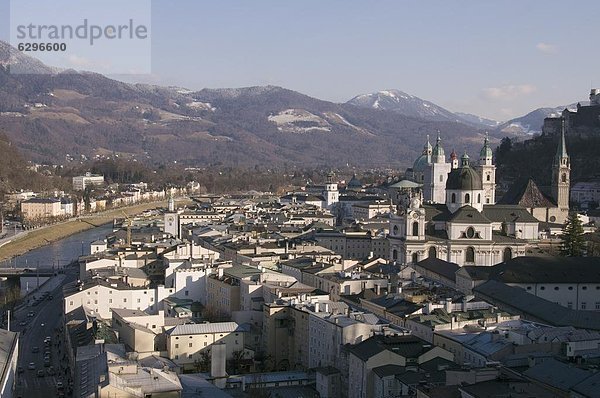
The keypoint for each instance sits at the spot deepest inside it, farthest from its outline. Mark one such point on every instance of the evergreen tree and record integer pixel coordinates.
(573, 243)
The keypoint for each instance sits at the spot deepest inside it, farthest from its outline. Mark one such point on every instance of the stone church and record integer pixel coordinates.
(455, 217)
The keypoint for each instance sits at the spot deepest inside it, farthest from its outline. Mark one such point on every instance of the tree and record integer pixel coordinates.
(573, 244)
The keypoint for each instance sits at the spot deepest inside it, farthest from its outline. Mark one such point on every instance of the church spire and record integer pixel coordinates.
(561, 170)
(561, 150)
(438, 151)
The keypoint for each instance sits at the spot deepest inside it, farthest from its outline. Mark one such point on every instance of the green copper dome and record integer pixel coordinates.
(486, 151)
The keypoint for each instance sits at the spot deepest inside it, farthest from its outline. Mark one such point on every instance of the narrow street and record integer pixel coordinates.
(47, 321)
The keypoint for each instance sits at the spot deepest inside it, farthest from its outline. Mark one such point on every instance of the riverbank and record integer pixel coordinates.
(52, 233)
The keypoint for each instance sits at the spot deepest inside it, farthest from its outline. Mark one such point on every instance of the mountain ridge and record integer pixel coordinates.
(81, 115)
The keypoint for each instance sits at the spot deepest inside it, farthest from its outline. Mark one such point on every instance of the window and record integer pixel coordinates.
(543, 288)
(109, 301)
(470, 233)
(205, 344)
(453, 200)
(488, 177)
(176, 345)
(415, 258)
(470, 255)
(563, 178)
(415, 229)
(556, 288)
(507, 254)
(432, 252)
(395, 254)
(395, 230)
(598, 305)
(190, 356)
(583, 305)
(139, 301)
(570, 305)
(70, 303)
(528, 287)
(176, 356)
(467, 198)
(190, 345)
(478, 198)
(570, 287)
(441, 178)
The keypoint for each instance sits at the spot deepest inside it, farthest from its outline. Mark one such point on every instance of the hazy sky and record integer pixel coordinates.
(497, 59)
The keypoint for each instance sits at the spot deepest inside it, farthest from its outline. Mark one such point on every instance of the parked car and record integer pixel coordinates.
(31, 366)
(40, 373)
(31, 314)
(35, 349)
(23, 323)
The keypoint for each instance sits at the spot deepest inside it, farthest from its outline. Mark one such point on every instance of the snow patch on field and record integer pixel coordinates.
(299, 121)
(201, 106)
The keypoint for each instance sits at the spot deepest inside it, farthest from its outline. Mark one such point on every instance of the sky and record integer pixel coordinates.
(496, 59)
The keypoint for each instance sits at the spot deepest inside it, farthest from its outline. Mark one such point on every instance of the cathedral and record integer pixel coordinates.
(455, 217)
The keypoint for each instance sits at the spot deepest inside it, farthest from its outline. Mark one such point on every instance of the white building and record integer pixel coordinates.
(89, 179)
(100, 297)
(187, 343)
(466, 227)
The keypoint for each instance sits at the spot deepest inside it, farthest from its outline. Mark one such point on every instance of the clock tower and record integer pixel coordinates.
(171, 219)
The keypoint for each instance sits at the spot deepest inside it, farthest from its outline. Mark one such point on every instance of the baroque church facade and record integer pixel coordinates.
(455, 217)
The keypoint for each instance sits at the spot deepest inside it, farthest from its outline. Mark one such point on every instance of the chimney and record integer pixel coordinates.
(327, 307)
(378, 289)
(316, 306)
(220, 272)
(217, 364)
(448, 306)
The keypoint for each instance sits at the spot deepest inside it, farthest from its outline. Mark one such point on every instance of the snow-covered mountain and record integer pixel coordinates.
(18, 62)
(476, 120)
(403, 103)
(410, 105)
(532, 122)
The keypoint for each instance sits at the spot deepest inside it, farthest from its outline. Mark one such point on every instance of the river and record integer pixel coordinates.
(56, 254)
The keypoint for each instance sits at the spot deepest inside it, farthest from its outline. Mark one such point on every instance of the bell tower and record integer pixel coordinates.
(561, 173)
(487, 170)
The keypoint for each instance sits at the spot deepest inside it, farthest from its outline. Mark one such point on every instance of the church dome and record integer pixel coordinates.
(438, 150)
(421, 163)
(354, 182)
(464, 179)
(486, 151)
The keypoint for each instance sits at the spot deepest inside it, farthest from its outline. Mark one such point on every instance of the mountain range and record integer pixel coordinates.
(62, 115)
(409, 105)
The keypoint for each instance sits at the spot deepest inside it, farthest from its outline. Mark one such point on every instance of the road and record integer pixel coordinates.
(47, 321)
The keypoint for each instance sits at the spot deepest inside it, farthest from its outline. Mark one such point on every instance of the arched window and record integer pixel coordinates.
(470, 255)
(395, 230)
(563, 178)
(415, 258)
(489, 177)
(432, 252)
(453, 198)
(507, 254)
(467, 198)
(395, 254)
(478, 198)
(415, 230)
